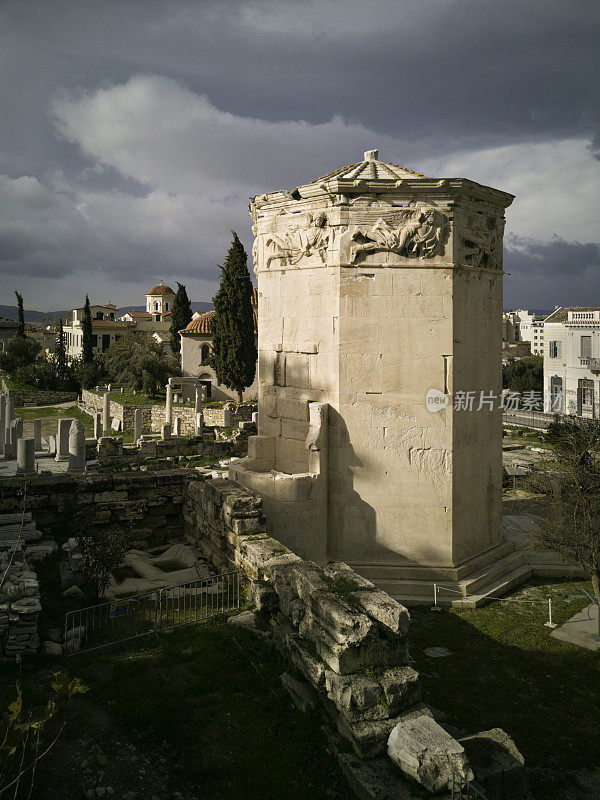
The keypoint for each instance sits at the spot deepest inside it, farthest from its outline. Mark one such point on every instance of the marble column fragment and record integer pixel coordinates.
(2, 422)
(97, 425)
(76, 447)
(15, 433)
(177, 427)
(62, 439)
(199, 417)
(137, 425)
(26, 456)
(169, 406)
(165, 431)
(106, 414)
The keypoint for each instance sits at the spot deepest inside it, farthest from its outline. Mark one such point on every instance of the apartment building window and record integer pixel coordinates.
(586, 346)
(555, 349)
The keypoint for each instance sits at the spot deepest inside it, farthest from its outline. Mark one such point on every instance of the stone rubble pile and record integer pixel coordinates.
(19, 589)
(346, 644)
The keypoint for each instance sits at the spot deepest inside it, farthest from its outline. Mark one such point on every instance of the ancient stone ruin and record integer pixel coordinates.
(380, 296)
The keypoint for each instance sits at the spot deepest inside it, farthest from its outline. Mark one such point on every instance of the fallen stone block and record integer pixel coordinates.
(264, 596)
(427, 753)
(369, 738)
(246, 621)
(497, 764)
(52, 649)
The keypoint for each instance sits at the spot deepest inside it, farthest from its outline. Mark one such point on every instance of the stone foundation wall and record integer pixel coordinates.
(92, 404)
(187, 414)
(150, 502)
(39, 398)
(345, 639)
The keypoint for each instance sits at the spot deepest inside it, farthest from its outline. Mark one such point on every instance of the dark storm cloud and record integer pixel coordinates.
(543, 273)
(241, 97)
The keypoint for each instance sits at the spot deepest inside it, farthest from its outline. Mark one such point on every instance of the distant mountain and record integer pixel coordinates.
(201, 306)
(11, 312)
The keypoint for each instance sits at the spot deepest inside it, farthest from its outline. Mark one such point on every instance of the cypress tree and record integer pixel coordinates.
(181, 315)
(86, 334)
(60, 353)
(21, 323)
(233, 355)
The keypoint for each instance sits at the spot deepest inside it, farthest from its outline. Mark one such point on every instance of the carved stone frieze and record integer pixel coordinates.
(419, 233)
(308, 236)
(480, 242)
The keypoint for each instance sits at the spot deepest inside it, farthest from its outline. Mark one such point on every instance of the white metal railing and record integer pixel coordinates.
(128, 618)
(590, 363)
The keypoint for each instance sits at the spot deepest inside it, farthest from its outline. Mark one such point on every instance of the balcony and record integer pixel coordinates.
(592, 364)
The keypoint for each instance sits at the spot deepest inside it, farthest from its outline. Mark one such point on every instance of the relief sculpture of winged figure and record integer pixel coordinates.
(420, 234)
(305, 239)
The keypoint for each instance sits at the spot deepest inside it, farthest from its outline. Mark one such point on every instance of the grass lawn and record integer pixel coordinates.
(506, 671)
(200, 711)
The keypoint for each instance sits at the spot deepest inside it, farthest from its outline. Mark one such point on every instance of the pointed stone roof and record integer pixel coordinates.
(370, 169)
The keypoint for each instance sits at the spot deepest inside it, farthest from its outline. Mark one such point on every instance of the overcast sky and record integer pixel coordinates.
(133, 133)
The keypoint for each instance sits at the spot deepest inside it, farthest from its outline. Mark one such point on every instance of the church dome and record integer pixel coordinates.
(161, 289)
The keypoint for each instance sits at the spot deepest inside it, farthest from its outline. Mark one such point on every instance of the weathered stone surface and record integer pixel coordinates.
(401, 688)
(247, 621)
(304, 697)
(264, 596)
(369, 738)
(392, 616)
(424, 751)
(292, 647)
(355, 696)
(52, 649)
(497, 764)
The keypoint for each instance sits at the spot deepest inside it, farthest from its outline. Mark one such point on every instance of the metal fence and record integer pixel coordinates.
(530, 419)
(159, 610)
(462, 789)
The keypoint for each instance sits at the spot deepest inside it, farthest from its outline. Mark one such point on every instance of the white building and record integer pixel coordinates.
(572, 361)
(524, 326)
(106, 330)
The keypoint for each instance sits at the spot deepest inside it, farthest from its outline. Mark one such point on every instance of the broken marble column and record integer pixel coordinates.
(76, 447)
(98, 425)
(199, 420)
(106, 414)
(177, 427)
(10, 410)
(165, 431)
(37, 433)
(25, 456)
(62, 439)
(169, 405)
(2, 420)
(137, 424)
(15, 433)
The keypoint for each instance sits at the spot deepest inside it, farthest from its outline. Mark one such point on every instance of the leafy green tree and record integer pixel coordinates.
(234, 352)
(181, 315)
(21, 323)
(86, 333)
(570, 482)
(139, 362)
(103, 552)
(524, 375)
(18, 352)
(90, 375)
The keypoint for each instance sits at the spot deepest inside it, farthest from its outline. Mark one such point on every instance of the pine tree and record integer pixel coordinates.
(60, 354)
(181, 315)
(86, 334)
(234, 353)
(21, 324)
